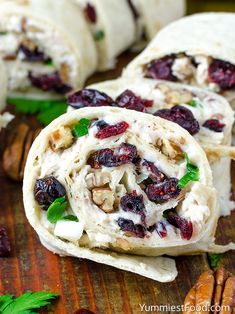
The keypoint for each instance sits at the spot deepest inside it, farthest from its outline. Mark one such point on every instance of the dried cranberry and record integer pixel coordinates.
(133, 9)
(124, 154)
(133, 202)
(101, 124)
(49, 82)
(161, 229)
(130, 101)
(181, 116)
(155, 174)
(214, 125)
(161, 69)
(163, 191)
(185, 226)
(112, 130)
(33, 55)
(5, 248)
(48, 189)
(90, 13)
(129, 226)
(89, 98)
(222, 73)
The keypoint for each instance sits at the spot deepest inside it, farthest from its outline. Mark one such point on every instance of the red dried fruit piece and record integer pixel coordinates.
(124, 154)
(89, 98)
(163, 191)
(90, 13)
(161, 229)
(130, 101)
(33, 55)
(49, 82)
(214, 125)
(181, 116)
(100, 124)
(5, 248)
(222, 73)
(112, 130)
(129, 226)
(155, 174)
(47, 190)
(161, 69)
(185, 226)
(134, 203)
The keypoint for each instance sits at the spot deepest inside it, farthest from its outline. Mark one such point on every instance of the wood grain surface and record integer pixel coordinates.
(81, 283)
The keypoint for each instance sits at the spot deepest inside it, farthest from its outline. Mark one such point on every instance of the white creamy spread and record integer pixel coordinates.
(48, 40)
(101, 228)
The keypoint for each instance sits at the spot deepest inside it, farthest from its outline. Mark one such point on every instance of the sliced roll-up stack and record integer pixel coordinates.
(197, 50)
(153, 15)
(6, 117)
(104, 180)
(205, 115)
(112, 26)
(47, 47)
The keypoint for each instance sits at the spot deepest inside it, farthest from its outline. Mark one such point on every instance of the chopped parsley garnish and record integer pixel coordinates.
(81, 128)
(70, 218)
(50, 63)
(195, 103)
(99, 35)
(47, 110)
(191, 175)
(26, 303)
(214, 260)
(56, 210)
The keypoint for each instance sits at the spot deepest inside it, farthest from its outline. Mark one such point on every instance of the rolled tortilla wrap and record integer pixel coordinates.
(154, 16)
(197, 50)
(47, 47)
(107, 168)
(207, 116)
(6, 117)
(112, 26)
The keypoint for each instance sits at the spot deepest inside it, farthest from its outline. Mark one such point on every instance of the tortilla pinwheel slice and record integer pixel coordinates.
(154, 16)
(104, 180)
(6, 117)
(205, 115)
(113, 28)
(197, 50)
(47, 47)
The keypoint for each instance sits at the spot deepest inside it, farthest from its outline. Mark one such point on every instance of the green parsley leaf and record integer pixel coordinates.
(70, 218)
(99, 35)
(26, 302)
(56, 110)
(56, 210)
(81, 128)
(191, 175)
(5, 300)
(50, 63)
(214, 259)
(48, 109)
(195, 103)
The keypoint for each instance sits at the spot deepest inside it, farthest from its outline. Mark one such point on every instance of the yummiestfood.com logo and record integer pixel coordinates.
(169, 308)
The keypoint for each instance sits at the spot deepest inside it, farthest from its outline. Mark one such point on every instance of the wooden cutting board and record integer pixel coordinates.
(81, 283)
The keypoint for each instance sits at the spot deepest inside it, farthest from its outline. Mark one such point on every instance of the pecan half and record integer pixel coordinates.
(16, 152)
(104, 198)
(215, 289)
